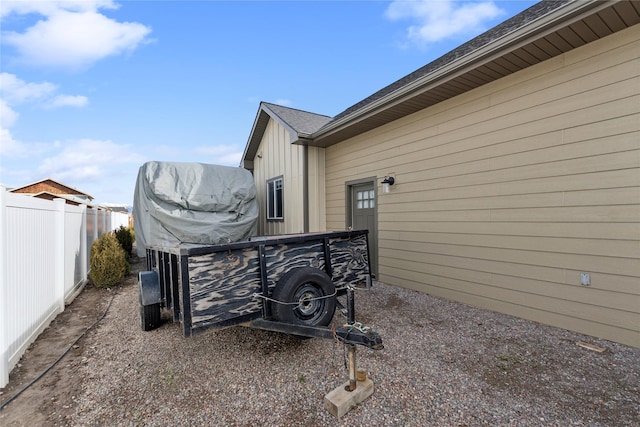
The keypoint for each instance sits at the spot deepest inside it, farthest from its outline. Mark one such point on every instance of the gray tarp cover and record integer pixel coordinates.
(193, 203)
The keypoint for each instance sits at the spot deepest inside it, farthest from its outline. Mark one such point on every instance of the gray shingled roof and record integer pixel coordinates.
(539, 9)
(301, 121)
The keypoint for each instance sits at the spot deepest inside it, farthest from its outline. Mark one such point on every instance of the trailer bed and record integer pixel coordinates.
(216, 286)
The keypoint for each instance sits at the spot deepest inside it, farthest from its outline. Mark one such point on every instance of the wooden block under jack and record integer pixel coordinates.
(339, 401)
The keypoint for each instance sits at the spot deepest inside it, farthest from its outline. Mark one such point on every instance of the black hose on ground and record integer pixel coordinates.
(42, 374)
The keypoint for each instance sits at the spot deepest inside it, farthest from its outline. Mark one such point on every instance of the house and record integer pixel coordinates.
(50, 189)
(515, 161)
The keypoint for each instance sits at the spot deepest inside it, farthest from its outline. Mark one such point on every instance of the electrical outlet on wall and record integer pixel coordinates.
(585, 279)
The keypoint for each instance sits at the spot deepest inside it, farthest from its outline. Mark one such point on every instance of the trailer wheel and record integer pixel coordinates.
(150, 316)
(304, 296)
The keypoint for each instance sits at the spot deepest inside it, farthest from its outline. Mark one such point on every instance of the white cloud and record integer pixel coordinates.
(14, 149)
(9, 147)
(68, 101)
(284, 102)
(16, 91)
(48, 7)
(73, 35)
(441, 19)
(7, 116)
(224, 155)
(87, 160)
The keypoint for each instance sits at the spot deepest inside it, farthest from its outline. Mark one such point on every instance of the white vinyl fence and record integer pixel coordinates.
(44, 262)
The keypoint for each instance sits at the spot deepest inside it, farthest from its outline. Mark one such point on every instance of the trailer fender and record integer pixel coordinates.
(149, 288)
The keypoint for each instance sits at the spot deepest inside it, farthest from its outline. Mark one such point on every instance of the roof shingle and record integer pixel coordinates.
(301, 121)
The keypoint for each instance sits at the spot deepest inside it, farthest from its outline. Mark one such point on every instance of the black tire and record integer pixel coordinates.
(314, 293)
(150, 316)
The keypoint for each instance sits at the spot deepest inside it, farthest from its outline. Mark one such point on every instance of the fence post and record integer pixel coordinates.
(83, 243)
(96, 233)
(59, 252)
(4, 339)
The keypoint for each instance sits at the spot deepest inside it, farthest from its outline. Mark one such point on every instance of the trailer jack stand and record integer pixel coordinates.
(340, 400)
(351, 360)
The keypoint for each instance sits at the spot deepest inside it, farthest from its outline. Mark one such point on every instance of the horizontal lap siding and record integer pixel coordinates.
(504, 195)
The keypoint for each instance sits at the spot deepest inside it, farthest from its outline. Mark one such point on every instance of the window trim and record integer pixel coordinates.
(271, 199)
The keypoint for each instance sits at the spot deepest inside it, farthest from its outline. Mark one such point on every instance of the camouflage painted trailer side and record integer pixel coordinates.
(211, 287)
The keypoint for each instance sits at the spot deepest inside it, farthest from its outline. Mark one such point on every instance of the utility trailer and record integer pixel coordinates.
(284, 283)
(195, 224)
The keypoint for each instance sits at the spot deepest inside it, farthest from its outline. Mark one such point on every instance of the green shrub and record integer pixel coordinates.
(108, 261)
(125, 238)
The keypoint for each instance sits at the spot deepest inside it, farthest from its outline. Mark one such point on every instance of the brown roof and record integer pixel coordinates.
(50, 186)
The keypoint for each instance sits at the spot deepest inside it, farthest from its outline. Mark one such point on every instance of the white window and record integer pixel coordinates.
(275, 199)
(365, 199)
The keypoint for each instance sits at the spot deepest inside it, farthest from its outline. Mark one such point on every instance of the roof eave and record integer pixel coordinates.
(536, 27)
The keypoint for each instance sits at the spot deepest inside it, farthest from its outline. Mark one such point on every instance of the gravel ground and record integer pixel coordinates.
(444, 363)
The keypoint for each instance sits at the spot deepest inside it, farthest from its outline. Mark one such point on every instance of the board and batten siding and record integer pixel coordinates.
(506, 194)
(276, 157)
(316, 176)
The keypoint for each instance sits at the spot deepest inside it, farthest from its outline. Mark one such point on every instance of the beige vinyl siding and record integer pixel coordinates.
(505, 194)
(278, 157)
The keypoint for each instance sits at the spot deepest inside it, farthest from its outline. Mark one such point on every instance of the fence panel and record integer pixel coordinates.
(119, 220)
(75, 250)
(29, 272)
(92, 229)
(102, 223)
(44, 261)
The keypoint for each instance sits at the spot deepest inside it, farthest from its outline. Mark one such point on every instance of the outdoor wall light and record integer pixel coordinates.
(387, 182)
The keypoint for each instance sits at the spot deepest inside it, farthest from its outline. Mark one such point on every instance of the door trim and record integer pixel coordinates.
(348, 189)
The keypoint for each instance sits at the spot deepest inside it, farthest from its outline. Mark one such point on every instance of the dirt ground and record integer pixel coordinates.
(50, 400)
(465, 367)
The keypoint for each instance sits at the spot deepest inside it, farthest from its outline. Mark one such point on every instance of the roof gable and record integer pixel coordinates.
(300, 125)
(302, 122)
(51, 186)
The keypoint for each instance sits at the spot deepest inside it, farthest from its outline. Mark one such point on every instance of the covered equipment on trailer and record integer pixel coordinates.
(193, 203)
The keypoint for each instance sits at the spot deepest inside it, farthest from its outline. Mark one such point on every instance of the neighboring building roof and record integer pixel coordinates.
(545, 30)
(121, 209)
(53, 187)
(70, 200)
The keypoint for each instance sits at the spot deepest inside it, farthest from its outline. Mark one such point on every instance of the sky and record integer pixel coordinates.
(92, 89)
